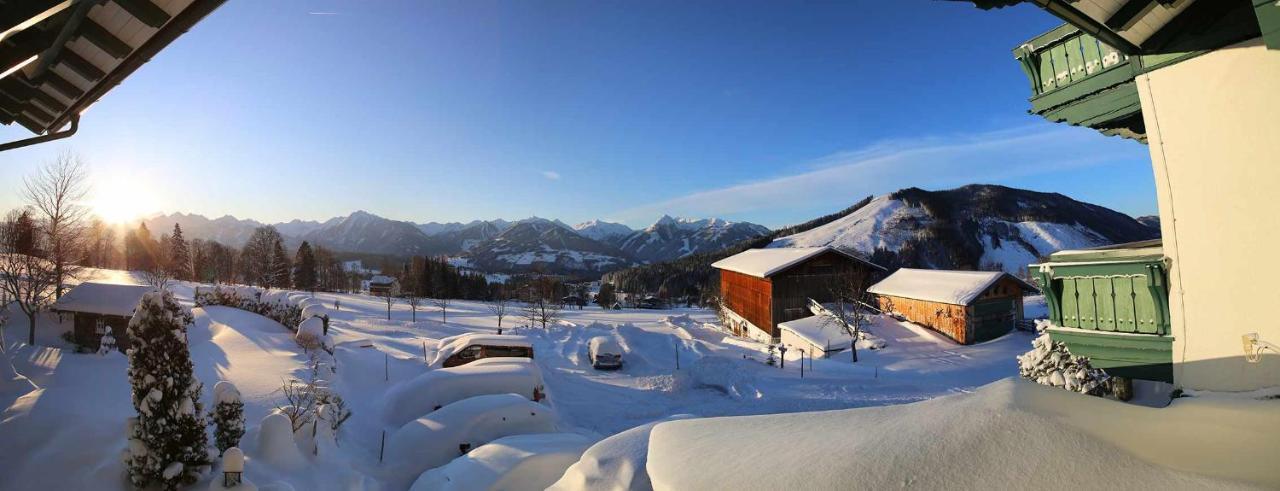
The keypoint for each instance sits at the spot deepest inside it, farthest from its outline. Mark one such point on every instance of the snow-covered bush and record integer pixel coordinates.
(167, 441)
(303, 401)
(281, 306)
(310, 334)
(276, 444)
(1049, 363)
(227, 416)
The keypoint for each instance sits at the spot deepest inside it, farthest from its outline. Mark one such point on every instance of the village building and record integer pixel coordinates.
(96, 307)
(817, 336)
(1196, 82)
(761, 288)
(966, 306)
(382, 286)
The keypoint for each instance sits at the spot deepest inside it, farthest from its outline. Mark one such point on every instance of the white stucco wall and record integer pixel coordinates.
(1213, 128)
(752, 332)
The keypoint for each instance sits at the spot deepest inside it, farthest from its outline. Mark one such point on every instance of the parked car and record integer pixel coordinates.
(434, 389)
(466, 348)
(605, 353)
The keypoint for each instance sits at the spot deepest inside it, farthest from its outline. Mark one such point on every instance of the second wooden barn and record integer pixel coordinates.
(761, 288)
(966, 306)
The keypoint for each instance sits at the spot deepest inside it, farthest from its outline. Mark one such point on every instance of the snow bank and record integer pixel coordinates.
(720, 373)
(276, 445)
(513, 462)
(616, 463)
(413, 398)
(995, 438)
(310, 333)
(435, 439)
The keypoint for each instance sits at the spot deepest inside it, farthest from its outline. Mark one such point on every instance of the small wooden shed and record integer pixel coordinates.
(761, 288)
(96, 307)
(966, 306)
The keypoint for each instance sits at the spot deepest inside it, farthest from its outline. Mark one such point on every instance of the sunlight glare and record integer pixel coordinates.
(121, 201)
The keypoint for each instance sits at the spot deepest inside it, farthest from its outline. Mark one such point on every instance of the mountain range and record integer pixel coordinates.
(490, 245)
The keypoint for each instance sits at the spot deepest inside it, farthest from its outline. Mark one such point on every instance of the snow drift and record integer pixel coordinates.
(508, 463)
(616, 463)
(437, 388)
(994, 438)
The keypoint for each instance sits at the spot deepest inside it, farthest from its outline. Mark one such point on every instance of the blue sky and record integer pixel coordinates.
(769, 112)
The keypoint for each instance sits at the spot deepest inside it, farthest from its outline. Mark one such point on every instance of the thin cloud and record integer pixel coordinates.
(929, 162)
(551, 175)
(322, 13)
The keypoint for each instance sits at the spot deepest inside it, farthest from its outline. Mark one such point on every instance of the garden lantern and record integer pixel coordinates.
(232, 467)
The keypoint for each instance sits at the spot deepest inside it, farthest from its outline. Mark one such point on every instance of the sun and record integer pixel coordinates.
(120, 201)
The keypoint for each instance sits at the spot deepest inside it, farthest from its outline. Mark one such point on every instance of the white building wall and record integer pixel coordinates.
(751, 331)
(1213, 128)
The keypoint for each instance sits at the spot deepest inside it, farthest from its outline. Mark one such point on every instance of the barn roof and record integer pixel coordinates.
(763, 263)
(59, 56)
(102, 298)
(937, 285)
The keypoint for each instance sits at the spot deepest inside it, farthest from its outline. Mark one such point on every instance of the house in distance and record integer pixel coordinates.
(96, 307)
(761, 288)
(966, 306)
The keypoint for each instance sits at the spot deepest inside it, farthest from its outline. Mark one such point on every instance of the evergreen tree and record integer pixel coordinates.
(304, 274)
(179, 255)
(139, 249)
(606, 297)
(227, 416)
(280, 266)
(167, 441)
(24, 234)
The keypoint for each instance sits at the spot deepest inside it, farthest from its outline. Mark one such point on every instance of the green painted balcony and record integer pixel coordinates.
(1111, 305)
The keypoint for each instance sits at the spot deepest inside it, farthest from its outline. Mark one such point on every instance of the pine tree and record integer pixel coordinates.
(304, 274)
(167, 441)
(179, 255)
(280, 266)
(227, 416)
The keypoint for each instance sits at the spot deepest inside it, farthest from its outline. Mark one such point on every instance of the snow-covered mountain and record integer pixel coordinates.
(368, 233)
(672, 238)
(546, 245)
(297, 228)
(603, 231)
(227, 229)
(972, 227)
(437, 228)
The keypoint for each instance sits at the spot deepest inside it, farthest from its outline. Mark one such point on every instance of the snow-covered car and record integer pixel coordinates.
(437, 438)
(435, 389)
(466, 348)
(605, 353)
(513, 462)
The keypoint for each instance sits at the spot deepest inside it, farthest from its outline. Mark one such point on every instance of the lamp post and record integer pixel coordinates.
(782, 348)
(802, 363)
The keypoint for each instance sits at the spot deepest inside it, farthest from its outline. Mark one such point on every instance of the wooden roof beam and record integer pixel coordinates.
(103, 38)
(81, 66)
(1127, 13)
(27, 13)
(61, 85)
(145, 11)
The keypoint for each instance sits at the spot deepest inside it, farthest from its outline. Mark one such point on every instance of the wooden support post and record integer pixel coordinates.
(382, 447)
(386, 368)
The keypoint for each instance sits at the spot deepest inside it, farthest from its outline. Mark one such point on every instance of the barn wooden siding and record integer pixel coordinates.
(812, 279)
(989, 315)
(945, 318)
(749, 297)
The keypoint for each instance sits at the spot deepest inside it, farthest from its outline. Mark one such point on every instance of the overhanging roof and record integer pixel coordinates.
(763, 263)
(60, 56)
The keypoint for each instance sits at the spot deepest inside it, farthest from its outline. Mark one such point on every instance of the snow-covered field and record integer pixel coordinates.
(62, 426)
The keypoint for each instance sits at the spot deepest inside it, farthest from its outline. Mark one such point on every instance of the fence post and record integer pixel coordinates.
(386, 368)
(382, 447)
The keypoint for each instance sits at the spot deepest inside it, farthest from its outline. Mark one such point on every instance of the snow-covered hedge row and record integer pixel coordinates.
(289, 308)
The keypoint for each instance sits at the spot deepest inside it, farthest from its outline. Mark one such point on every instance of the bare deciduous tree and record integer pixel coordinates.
(443, 303)
(541, 306)
(414, 301)
(498, 307)
(31, 281)
(57, 192)
(849, 294)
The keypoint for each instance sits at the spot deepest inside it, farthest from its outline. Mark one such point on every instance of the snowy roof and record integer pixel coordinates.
(381, 280)
(811, 329)
(102, 298)
(763, 263)
(938, 285)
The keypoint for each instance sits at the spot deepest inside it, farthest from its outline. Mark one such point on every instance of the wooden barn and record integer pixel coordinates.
(966, 306)
(761, 288)
(96, 307)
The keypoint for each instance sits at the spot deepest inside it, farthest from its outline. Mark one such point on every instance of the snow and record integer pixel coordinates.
(1010, 434)
(275, 442)
(433, 440)
(874, 226)
(616, 463)
(762, 263)
(945, 286)
(816, 332)
(102, 298)
(508, 463)
(411, 399)
(61, 412)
